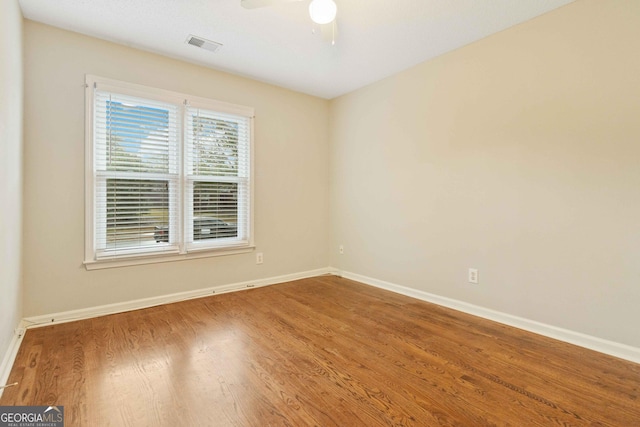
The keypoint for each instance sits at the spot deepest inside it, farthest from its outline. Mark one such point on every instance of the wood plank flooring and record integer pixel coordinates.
(324, 351)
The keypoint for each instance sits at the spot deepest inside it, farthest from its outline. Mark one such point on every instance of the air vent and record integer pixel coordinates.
(203, 43)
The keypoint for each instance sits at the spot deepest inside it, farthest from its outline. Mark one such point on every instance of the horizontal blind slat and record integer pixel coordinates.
(217, 153)
(137, 180)
(136, 146)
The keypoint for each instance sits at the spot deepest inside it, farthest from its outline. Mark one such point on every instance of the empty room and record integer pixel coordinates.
(320, 213)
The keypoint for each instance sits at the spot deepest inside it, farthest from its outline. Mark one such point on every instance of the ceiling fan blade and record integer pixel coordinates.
(255, 4)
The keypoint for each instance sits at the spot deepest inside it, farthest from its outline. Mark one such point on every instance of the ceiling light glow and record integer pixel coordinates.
(322, 11)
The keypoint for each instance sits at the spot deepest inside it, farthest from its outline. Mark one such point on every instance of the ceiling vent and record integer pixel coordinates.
(203, 43)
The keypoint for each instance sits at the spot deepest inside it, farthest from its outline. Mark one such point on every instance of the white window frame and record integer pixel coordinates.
(91, 260)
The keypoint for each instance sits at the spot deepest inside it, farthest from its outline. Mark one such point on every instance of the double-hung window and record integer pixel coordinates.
(168, 175)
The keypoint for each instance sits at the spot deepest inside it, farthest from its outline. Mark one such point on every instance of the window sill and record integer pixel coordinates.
(161, 258)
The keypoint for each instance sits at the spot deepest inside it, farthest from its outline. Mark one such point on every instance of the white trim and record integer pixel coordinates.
(611, 348)
(164, 257)
(103, 310)
(135, 256)
(251, 231)
(10, 356)
(607, 347)
(89, 179)
(164, 95)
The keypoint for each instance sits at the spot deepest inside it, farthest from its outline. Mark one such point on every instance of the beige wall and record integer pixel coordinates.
(291, 175)
(518, 155)
(10, 170)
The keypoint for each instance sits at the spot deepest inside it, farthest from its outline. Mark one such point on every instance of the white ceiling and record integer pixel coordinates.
(376, 38)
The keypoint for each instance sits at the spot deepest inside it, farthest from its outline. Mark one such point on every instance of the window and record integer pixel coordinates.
(168, 175)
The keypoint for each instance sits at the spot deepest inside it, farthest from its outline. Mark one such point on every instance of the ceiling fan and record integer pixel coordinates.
(322, 12)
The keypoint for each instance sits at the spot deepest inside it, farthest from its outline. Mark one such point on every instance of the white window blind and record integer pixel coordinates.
(217, 178)
(165, 177)
(136, 174)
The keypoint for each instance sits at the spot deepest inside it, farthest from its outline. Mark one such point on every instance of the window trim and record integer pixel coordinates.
(91, 261)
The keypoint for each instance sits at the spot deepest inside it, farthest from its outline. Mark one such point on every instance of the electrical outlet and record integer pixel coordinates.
(341, 249)
(473, 275)
(259, 258)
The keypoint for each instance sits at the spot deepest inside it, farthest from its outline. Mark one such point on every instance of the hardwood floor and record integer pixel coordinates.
(324, 351)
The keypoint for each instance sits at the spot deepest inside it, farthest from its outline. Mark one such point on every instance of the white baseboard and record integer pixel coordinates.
(10, 355)
(87, 313)
(611, 348)
(103, 310)
(608, 347)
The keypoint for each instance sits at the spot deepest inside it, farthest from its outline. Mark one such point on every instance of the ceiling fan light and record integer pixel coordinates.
(322, 11)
